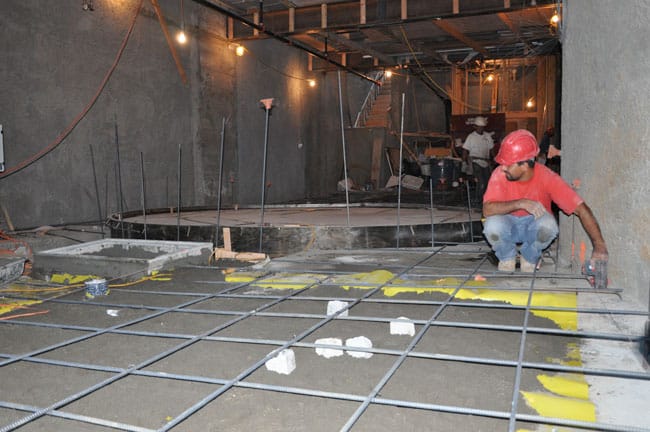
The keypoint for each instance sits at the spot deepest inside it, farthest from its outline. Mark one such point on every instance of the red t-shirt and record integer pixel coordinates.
(545, 187)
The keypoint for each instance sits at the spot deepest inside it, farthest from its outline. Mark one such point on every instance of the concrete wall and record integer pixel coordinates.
(605, 130)
(54, 59)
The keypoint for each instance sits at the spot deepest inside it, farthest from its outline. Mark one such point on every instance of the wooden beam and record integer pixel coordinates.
(362, 11)
(457, 34)
(405, 14)
(256, 20)
(168, 38)
(231, 28)
(456, 7)
(292, 20)
(506, 4)
(323, 16)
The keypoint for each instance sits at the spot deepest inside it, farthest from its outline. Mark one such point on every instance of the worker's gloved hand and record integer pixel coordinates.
(596, 272)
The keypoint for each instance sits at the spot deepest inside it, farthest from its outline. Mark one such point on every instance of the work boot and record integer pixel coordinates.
(507, 265)
(527, 267)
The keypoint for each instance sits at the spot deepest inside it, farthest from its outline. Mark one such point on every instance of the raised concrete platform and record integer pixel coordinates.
(295, 228)
(118, 258)
(11, 269)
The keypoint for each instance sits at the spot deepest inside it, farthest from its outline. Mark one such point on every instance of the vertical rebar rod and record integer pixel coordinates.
(433, 243)
(345, 162)
(469, 213)
(267, 110)
(119, 180)
(178, 205)
(399, 177)
(142, 194)
(215, 238)
(512, 423)
(99, 205)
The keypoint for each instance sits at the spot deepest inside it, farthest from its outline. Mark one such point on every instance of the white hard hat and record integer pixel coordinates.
(480, 121)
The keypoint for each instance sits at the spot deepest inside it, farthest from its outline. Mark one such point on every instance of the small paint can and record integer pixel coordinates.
(96, 287)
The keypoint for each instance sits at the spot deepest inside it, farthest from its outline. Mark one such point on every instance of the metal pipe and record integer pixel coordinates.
(99, 206)
(512, 423)
(293, 42)
(469, 212)
(399, 177)
(142, 191)
(215, 238)
(267, 109)
(345, 163)
(178, 194)
(433, 243)
(119, 180)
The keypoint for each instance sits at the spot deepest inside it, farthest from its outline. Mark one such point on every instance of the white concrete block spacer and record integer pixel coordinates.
(284, 363)
(359, 342)
(329, 352)
(334, 306)
(402, 326)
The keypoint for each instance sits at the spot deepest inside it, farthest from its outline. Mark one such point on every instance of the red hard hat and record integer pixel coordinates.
(517, 146)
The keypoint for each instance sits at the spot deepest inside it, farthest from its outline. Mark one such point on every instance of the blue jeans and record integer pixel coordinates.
(504, 232)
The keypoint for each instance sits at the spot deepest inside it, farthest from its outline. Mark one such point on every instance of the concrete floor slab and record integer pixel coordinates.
(463, 373)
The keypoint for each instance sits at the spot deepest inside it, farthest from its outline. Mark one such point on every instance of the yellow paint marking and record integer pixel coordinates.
(472, 290)
(69, 279)
(10, 305)
(550, 405)
(568, 385)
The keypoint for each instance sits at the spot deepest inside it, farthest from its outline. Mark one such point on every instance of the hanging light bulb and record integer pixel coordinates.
(311, 82)
(389, 74)
(530, 103)
(180, 36)
(239, 50)
(555, 19)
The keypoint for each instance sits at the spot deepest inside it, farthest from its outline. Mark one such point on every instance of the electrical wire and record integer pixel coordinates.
(25, 163)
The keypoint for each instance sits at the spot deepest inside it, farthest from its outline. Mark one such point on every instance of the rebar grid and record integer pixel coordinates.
(231, 292)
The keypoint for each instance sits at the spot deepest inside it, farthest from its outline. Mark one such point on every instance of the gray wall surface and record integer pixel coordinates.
(605, 130)
(55, 57)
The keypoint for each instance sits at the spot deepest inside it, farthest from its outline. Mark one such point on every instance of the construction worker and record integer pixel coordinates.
(478, 154)
(517, 207)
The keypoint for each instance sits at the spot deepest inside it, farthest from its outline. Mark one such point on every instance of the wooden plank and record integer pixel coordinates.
(227, 244)
(362, 12)
(405, 9)
(323, 16)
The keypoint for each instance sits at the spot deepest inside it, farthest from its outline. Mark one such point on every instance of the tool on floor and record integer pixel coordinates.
(596, 273)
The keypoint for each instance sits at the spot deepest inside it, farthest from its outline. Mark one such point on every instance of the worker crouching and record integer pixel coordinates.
(517, 208)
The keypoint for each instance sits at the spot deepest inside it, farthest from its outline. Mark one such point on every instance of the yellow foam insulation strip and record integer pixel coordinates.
(474, 290)
(7, 305)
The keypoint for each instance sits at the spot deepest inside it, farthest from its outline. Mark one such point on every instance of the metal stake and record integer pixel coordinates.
(99, 206)
(142, 191)
(433, 243)
(178, 206)
(399, 177)
(345, 163)
(268, 105)
(215, 238)
(469, 212)
(119, 181)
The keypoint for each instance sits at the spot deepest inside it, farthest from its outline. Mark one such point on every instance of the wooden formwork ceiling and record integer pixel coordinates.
(370, 34)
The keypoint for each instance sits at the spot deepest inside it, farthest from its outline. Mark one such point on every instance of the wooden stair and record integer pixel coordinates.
(378, 116)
